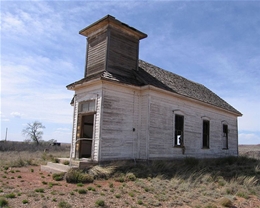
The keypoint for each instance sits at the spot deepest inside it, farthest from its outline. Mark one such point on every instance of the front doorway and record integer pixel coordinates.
(86, 136)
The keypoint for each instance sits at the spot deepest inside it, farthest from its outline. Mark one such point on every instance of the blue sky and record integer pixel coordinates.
(215, 43)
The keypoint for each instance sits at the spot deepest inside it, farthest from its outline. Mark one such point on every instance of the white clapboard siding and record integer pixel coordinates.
(120, 118)
(162, 128)
(74, 131)
(93, 93)
(136, 123)
(96, 133)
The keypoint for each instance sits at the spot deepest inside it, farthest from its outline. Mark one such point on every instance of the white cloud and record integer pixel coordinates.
(16, 114)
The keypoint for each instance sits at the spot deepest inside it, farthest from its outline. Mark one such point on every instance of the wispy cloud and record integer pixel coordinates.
(16, 114)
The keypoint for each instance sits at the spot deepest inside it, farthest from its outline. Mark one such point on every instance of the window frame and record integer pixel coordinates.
(175, 141)
(89, 110)
(225, 136)
(205, 134)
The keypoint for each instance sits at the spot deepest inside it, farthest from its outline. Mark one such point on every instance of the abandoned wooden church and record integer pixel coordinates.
(126, 108)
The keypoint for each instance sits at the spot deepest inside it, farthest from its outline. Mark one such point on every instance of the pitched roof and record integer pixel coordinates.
(148, 74)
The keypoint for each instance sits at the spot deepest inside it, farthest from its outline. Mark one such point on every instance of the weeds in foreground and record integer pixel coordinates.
(64, 204)
(39, 190)
(78, 176)
(206, 184)
(25, 201)
(58, 176)
(3, 202)
(100, 203)
(10, 196)
(82, 191)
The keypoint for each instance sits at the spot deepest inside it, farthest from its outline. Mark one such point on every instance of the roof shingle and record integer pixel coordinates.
(148, 74)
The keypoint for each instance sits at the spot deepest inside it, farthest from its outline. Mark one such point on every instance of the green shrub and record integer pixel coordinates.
(100, 203)
(243, 195)
(140, 202)
(25, 201)
(3, 202)
(80, 184)
(118, 196)
(39, 190)
(120, 179)
(82, 191)
(10, 196)
(78, 176)
(64, 204)
(131, 194)
(90, 188)
(58, 176)
(51, 184)
(130, 177)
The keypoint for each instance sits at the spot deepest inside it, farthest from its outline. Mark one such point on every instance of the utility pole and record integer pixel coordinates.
(6, 134)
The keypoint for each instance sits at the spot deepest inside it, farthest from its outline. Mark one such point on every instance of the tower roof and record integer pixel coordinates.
(111, 21)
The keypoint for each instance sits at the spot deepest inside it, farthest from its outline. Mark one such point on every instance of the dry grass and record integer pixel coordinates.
(224, 182)
(19, 154)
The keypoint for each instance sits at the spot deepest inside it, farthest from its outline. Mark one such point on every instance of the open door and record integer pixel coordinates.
(86, 137)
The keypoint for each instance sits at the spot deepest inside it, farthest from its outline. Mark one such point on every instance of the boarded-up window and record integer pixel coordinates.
(225, 136)
(87, 106)
(205, 139)
(179, 136)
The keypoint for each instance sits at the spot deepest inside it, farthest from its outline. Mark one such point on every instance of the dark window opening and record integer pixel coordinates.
(178, 139)
(225, 136)
(205, 142)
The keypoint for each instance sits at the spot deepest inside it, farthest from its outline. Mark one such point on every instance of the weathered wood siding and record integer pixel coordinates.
(138, 123)
(122, 53)
(74, 131)
(144, 126)
(92, 93)
(161, 144)
(96, 54)
(120, 118)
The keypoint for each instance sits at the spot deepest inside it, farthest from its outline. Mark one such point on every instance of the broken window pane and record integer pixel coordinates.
(179, 121)
(88, 106)
(225, 136)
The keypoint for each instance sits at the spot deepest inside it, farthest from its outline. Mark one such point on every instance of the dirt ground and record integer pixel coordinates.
(30, 187)
(40, 190)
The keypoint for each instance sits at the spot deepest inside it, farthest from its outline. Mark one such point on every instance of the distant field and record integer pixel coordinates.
(252, 151)
(189, 183)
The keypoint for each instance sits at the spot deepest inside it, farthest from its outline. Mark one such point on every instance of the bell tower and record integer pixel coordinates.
(112, 46)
